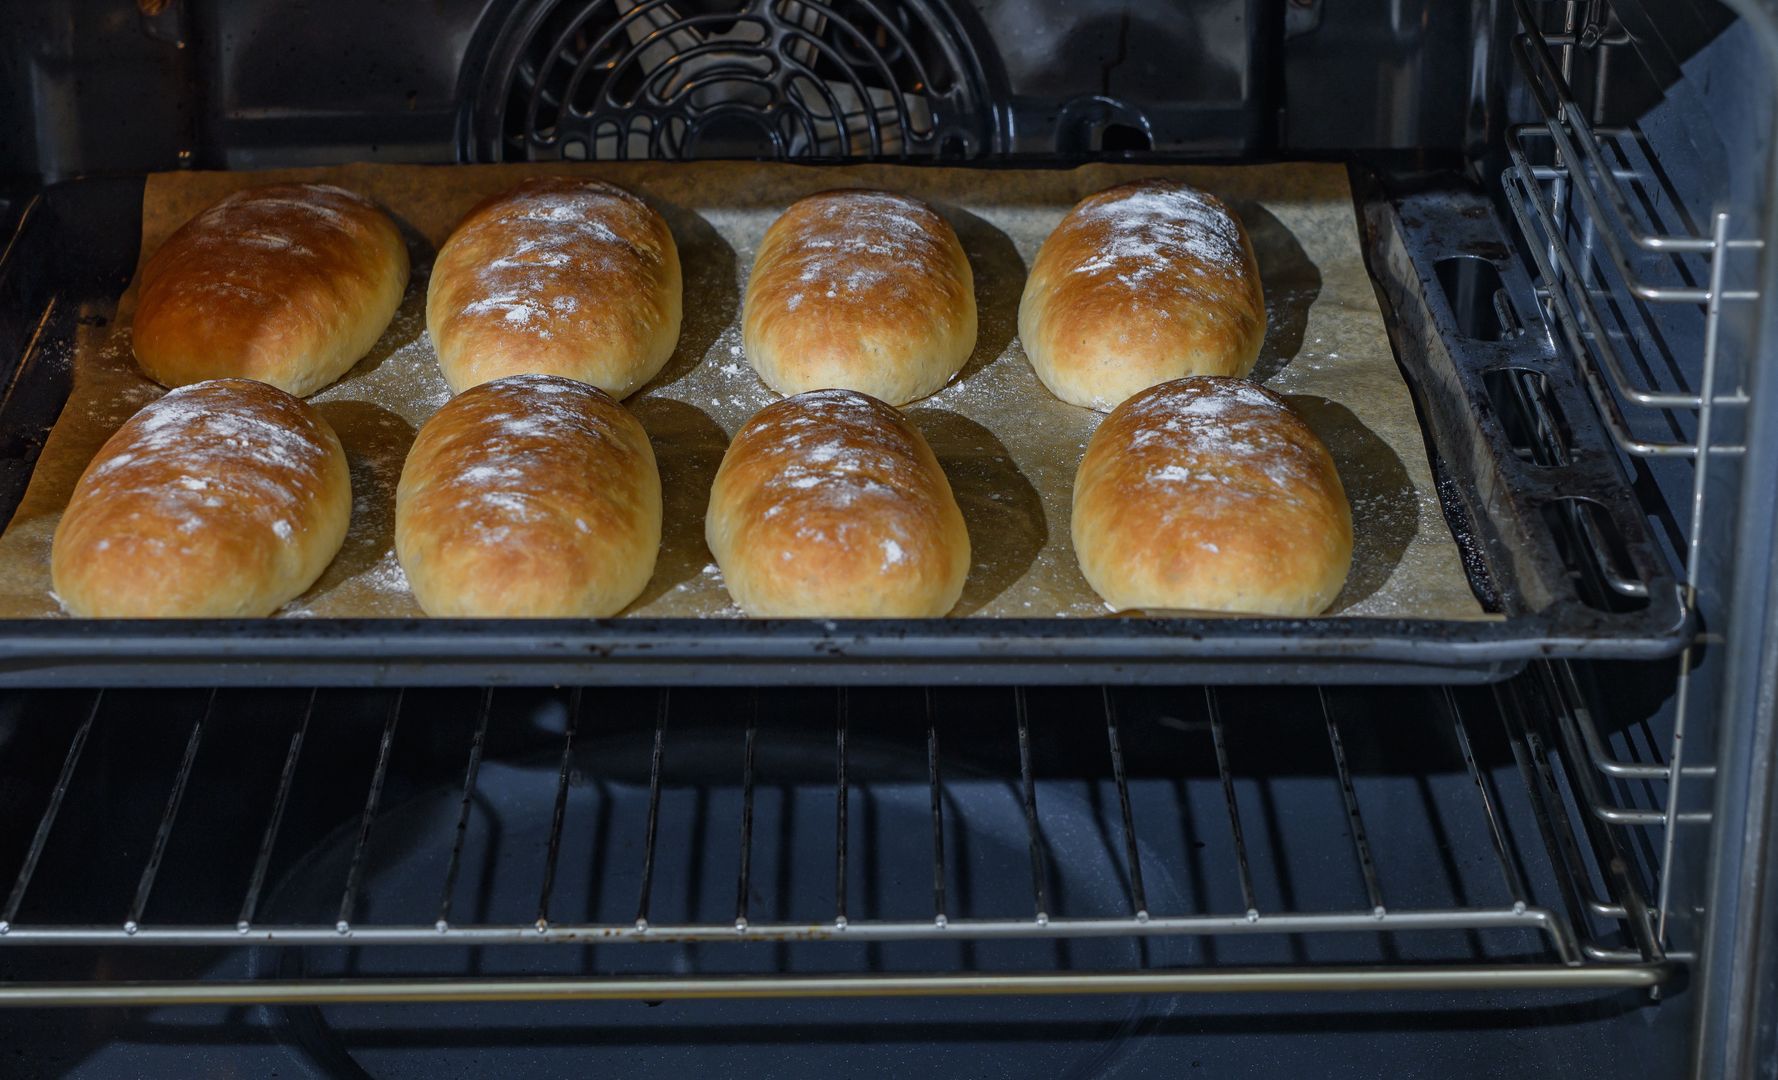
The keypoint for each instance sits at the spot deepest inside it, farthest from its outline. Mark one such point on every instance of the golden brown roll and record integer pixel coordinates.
(290, 285)
(830, 504)
(557, 276)
(224, 498)
(861, 290)
(1141, 283)
(533, 496)
(1210, 494)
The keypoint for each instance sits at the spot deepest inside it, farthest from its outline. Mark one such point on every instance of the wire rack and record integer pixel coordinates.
(1618, 261)
(1200, 786)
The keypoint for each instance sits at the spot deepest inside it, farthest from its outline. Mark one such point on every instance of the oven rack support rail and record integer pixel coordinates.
(1570, 188)
(1599, 935)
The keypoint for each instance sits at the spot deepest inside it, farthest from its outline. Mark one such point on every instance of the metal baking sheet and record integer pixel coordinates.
(1009, 448)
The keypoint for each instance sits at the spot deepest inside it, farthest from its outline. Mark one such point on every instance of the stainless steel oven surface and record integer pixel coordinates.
(1533, 843)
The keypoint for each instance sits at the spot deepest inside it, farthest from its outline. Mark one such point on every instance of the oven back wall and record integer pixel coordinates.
(104, 86)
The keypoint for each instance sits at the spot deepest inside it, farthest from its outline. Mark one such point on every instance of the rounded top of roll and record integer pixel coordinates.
(559, 275)
(1139, 228)
(529, 496)
(209, 428)
(869, 290)
(830, 503)
(1141, 283)
(1211, 494)
(225, 497)
(285, 283)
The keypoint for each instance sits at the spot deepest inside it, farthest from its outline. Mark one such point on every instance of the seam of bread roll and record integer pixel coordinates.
(290, 284)
(533, 496)
(861, 290)
(557, 276)
(1140, 284)
(224, 498)
(1211, 494)
(830, 504)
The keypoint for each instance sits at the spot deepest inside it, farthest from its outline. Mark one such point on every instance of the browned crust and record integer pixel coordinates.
(1141, 283)
(831, 504)
(862, 290)
(557, 276)
(530, 496)
(225, 498)
(288, 284)
(1211, 494)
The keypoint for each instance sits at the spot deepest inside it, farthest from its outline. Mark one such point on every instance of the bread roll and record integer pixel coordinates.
(830, 504)
(557, 277)
(1139, 284)
(1210, 494)
(862, 290)
(290, 285)
(224, 498)
(532, 496)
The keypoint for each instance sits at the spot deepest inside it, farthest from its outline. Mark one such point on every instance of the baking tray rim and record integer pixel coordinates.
(347, 640)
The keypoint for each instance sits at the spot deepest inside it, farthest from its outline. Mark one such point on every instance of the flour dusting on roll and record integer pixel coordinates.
(223, 498)
(860, 290)
(1211, 494)
(830, 504)
(289, 284)
(1139, 284)
(531, 496)
(558, 276)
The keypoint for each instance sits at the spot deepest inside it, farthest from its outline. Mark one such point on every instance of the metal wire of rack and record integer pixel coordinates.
(1569, 190)
(1597, 934)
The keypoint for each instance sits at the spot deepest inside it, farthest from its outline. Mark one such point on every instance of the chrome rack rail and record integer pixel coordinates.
(1569, 189)
(1597, 938)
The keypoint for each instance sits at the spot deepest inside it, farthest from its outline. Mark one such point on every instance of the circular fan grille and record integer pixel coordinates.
(613, 79)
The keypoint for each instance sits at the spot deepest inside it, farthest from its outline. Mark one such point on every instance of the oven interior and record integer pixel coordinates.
(1541, 846)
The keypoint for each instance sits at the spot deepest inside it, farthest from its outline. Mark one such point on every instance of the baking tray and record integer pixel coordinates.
(76, 246)
(1009, 447)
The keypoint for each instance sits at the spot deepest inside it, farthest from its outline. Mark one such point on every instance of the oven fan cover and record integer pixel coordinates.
(645, 79)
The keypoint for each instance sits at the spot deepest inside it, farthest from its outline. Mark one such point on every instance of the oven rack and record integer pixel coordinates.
(1612, 252)
(1549, 899)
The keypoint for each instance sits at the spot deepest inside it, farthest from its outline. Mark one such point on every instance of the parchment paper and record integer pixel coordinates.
(1009, 448)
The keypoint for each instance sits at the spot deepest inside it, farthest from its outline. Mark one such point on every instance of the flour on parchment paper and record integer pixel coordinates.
(1009, 448)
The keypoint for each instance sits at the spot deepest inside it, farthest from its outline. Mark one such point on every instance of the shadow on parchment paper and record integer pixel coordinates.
(710, 286)
(1291, 282)
(409, 321)
(1001, 509)
(999, 282)
(688, 447)
(1385, 506)
(376, 442)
